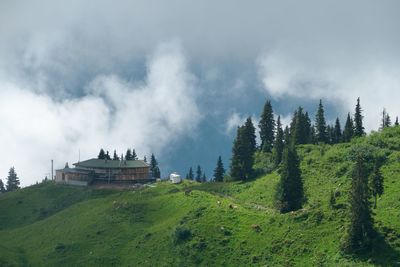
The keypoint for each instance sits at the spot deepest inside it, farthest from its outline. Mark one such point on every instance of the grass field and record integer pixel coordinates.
(210, 224)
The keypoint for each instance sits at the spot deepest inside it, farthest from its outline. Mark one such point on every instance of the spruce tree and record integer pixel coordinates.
(300, 127)
(376, 182)
(134, 156)
(102, 154)
(190, 175)
(107, 156)
(2, 188)
(12, 180)
(219, 171)
(250, 136)
(386, 122)
(348, 131)
(115, 156)
(286, 135)
(337, 132)
(279, 144)
(320, 124)
(154, 167)
(289, 193)
(267, 127)
(198, 174)
(358, 120)
(145, 158)
(360, 230)
(396, 122)
(128, 155)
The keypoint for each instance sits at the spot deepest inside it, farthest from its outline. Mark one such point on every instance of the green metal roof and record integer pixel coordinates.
(111, 164)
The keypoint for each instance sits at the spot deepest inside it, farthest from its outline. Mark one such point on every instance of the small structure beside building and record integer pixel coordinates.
(108, 171)
(175, 178)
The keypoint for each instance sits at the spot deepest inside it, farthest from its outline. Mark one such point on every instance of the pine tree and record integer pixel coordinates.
(290, 194)
(145, 159)
(102, 154)
(107, 156)
(348, 131)
(154, 167)
(358, 120)
(320, 124)
(376, 182)
(286, 135)
(337, 132)
(386, 122)
(250, 135)
(278, 145)
(396, 122)
(204, 178)
(128, 155)
(134, 156)
(267, 127)
(219, 171)
(115, 156)
(300, 127)
(360, 230)
(12, 180)
(2, 188)
(198, 174)
(190, 175)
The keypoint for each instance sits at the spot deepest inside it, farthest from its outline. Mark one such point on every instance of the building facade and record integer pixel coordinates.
(110, 171)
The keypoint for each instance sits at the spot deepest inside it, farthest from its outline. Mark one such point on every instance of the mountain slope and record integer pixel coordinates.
(211, 224)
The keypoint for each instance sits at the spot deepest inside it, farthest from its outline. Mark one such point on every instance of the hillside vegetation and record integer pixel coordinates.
(208, 224)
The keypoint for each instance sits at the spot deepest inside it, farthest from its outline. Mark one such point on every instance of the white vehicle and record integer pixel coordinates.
(175, 178)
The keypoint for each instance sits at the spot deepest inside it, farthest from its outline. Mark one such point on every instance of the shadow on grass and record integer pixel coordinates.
(381, 252)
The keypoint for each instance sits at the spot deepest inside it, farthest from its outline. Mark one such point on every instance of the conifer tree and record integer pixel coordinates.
(279, 144)
(107, 156)
(396, 122)
(2, 188)
(312, 138)
(289, 193)
(250, 136)
(267, 127)
(337, 132)
(128, 155)
(376, 182)
(12, 180)
(348, 131)
(386, 122)
(190, 175)
(358, 120)
(115, 156)
(134, 156)
(154, 167)
(219, 171)
(145, 158)
(300, 127)
(360, 230)
(204, 178)
(286, 135)
(320, 124)
(102, 154)
(198, 174)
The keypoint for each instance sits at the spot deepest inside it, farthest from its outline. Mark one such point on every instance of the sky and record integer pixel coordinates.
(175, 78)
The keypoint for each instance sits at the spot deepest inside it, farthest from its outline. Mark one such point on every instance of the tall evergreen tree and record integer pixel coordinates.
(337, 132)
(300, 127)
(154, 167)
(250, 135)
(107, 156)
(198, 174)
(115, 156)
(2, 188)
(376, 182)
(219, 171)
(348, 131)
(190, 175)
(290, 194)
(102, 154)
(279, 143)
(134, 155)
(360, 230)
(358, 120)
(12, 180)
(396, 122)
(267, 127)
(320, 124)
(128, 155)
(286, 135)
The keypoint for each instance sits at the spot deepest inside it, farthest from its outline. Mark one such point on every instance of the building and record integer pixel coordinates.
(109, 171)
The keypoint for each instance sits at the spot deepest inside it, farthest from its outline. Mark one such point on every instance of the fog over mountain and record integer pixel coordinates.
(175, 77)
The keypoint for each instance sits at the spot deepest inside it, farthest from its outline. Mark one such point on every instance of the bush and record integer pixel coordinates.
(182, 234)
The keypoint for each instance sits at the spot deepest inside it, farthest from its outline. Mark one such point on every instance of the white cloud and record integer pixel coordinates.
(114, 113)
(335, 80)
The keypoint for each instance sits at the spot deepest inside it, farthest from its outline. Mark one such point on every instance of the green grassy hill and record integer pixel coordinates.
(211, 224)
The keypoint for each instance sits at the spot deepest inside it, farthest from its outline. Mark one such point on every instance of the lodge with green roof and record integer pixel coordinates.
(104, 170)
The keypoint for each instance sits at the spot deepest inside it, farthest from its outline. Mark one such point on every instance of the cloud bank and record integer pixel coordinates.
(114, 113)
